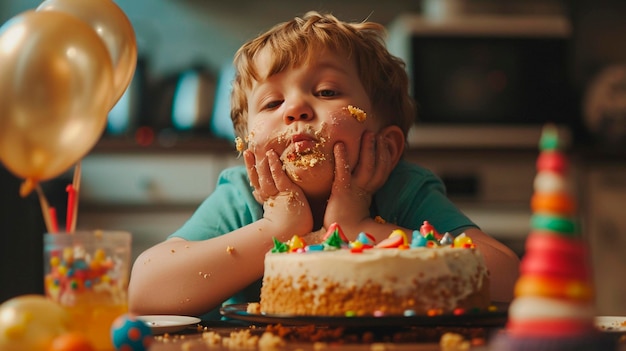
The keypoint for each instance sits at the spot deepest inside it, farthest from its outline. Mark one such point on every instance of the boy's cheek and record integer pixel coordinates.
(256, 134)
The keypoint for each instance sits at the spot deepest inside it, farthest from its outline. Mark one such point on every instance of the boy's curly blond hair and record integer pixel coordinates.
(293, 43)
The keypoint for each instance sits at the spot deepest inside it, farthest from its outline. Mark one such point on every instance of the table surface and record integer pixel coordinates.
(311, 338)
(223, 335)
(195, 343)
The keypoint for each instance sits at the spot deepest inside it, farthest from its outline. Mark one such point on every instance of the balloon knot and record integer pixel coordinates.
(27, 187)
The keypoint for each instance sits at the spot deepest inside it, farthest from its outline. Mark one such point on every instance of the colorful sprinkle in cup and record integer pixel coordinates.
(87, 273)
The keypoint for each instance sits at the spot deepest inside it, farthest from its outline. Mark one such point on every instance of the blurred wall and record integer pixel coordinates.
(173, 34)
(21, 241)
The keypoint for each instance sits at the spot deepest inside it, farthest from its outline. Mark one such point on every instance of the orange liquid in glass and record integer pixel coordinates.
(93, 314)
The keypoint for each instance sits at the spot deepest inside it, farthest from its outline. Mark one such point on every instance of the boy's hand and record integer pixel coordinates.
(352, 191)
(284, 203)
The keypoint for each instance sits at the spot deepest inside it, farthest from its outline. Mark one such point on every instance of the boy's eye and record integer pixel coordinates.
(273, 104)
(327, 93)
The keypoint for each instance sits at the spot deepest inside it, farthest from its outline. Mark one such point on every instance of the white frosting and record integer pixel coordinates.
(396, 270)
(537, 307)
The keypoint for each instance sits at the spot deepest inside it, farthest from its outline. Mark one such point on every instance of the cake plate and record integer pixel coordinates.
(490, 319)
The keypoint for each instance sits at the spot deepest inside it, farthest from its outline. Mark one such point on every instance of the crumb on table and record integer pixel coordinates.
(454, 342)
(240, 339)
(270, 341)
(211, 338)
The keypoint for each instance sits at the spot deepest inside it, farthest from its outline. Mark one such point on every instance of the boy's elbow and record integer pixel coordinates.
(503, 265)
(136, 296)
(504, 269)
(140, 291)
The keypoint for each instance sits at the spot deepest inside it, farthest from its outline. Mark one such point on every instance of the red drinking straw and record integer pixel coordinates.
(54, 223)
(71, 202)
(76, 187)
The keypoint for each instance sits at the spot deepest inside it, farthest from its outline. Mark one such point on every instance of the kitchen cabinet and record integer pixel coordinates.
(148, 194)
(604, 205)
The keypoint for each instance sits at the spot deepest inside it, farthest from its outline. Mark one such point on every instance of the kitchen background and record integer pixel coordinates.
(169, 136)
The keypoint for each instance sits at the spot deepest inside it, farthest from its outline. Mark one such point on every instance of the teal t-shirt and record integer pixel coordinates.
(411, 195)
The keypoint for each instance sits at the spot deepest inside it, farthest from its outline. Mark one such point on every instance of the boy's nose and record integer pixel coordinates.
(299, 111)
(296, 117)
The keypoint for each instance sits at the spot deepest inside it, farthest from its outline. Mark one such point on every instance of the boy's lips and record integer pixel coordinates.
(303, 142)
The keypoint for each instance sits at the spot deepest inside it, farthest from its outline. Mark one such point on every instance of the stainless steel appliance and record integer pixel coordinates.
(497, 78)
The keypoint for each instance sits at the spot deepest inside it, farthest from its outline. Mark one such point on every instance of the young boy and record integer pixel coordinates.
(321, 111)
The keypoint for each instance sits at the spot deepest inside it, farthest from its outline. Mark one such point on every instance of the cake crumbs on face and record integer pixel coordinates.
(239, 144)
(305, 157)
(357, 113)
(230, 249)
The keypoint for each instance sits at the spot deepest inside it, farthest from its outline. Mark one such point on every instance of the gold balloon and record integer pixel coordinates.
(31, 323)
(56, 78)
(113, 27)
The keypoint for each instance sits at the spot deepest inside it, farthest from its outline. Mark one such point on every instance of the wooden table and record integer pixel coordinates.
(227, 335)
(222, 336)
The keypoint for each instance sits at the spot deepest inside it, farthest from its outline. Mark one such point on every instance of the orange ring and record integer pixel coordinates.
(561, 203)
(528, 285)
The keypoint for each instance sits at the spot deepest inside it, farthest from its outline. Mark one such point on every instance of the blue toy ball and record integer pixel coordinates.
(130, 333)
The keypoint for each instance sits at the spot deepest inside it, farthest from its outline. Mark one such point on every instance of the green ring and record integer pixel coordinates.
(553, 223)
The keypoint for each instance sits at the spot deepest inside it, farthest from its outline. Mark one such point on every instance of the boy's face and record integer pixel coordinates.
(302, 112)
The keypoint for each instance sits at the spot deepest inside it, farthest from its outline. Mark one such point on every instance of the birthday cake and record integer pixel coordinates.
(431, 274)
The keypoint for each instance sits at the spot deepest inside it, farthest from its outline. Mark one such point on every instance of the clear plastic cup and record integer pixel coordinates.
(87, 273)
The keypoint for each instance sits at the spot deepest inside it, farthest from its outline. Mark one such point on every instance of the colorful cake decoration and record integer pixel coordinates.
(406, 274)
(428, 231)
(333, 242)
(553, 307)
(335, 239)
(279, 246)
(296, 244)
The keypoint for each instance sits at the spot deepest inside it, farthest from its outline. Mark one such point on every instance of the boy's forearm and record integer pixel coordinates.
(193, 277)
(502, 262)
